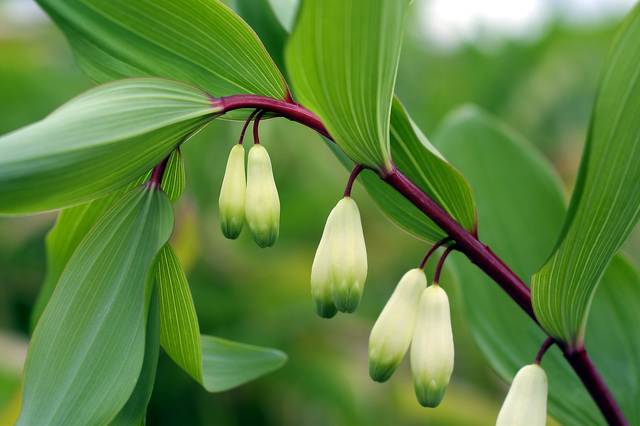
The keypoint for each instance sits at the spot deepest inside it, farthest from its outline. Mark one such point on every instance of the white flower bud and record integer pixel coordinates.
(262, 204)
(526, 402)
(348, 255)
(232, 194)
(432, 347)
(321, 277)
(391, 334)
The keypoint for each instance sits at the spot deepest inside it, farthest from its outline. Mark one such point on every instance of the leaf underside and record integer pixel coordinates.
(342, 60)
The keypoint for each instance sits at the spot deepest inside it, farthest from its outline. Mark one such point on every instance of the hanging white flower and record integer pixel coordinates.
(432, 351)
(262, 203)
(526, 402)
(391, 334)
(231, 202)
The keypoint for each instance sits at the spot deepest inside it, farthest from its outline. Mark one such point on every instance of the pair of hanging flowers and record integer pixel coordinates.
(253, 199)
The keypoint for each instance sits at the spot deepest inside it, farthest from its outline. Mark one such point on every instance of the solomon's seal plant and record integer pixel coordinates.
(109, 160)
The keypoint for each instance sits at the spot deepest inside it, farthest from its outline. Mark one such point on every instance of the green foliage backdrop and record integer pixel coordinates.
(250, 295)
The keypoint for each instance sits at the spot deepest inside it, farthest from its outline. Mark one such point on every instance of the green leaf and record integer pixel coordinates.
(135, 409)
(174, 179)
(342, 59)
(227, 364)
(605, 205)
(202, 43)
(72, 226)
(217, 364)
(97, 142)
(74, 222)
(179, 330)
(260, 15)
(613, 336)
(520, 210)
(424, 165)
(87, 350)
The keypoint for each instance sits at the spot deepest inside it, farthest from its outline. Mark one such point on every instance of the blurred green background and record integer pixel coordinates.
(541, 84)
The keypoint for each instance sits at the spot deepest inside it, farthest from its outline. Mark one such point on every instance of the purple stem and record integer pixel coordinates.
(466, 242)
(158, 173)
(436, 275)
(544, 348)
(432, 250)
(352, 178)
(256, 123)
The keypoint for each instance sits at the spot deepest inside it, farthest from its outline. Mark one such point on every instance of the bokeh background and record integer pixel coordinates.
(534, 64)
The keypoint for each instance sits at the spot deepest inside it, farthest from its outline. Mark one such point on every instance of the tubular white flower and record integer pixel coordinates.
(391, 334)
(262, 203)
(432, 347)
(231, 202)
(348, 255)
(321, 276)
(526, 402)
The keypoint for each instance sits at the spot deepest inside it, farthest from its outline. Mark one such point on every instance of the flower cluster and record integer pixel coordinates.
(254, 199)
(419, 316)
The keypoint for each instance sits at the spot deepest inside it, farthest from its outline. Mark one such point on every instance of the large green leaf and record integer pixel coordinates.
(217, 364)
(72, 226)
(227, 364)
(342, 59)
(97, 142)
(423, 164)
(199, 42)
(134, 411)
(520, 210)
(605, 205)
(74, 222)
(87, 350)
(260, 15)
(174, 180)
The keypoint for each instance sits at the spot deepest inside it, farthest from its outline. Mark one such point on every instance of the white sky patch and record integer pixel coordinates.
(22, 12)
(451, 23)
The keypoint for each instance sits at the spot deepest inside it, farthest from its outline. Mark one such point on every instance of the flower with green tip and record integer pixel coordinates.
(262, 209)
(526, 402)
(321, 277)
(432, 347)
(348, 255)
(232, 194)
(391, 334)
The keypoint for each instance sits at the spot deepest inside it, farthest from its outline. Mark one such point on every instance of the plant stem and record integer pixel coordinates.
(158, 173)
(436, 275)
(591, 379)
(477, 252)
(352, 178)
(466, 242)
(543, 349)
(432, 250)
